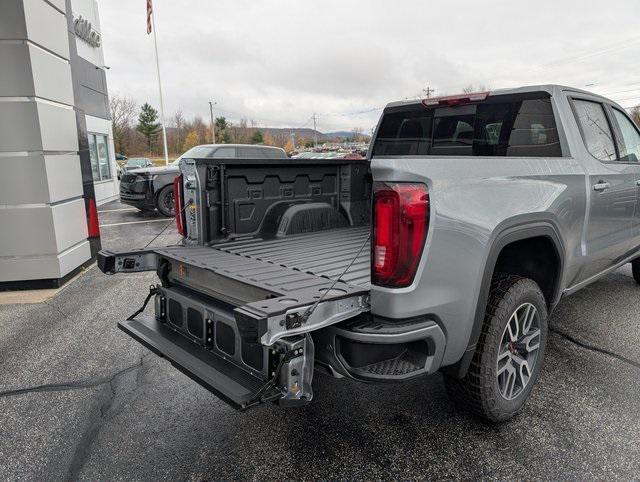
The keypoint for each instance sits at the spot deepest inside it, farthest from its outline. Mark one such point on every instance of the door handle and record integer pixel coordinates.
(638, 182)
(601, 186)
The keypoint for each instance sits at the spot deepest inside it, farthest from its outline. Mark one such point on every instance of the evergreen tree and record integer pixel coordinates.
(147, 124)
(222, 134)
(257, 138)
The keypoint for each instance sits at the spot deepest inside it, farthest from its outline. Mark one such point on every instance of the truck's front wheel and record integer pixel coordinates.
(509, 353)
(164, 201)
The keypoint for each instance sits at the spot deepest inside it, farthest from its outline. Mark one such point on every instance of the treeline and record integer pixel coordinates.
(137, 131)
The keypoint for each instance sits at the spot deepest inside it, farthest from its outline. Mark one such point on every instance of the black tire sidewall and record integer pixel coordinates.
(164, 192)
(635, 270)
(522, 291)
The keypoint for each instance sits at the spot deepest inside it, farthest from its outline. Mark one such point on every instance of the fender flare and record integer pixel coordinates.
(505, 235)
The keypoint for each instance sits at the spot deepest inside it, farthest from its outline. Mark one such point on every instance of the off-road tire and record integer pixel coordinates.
(164, 201)
(635, 270)
(479, 392)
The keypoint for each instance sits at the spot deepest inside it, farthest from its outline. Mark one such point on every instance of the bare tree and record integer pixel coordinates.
(178, 122)
(635, 115)
(470, 88)
(123, 113)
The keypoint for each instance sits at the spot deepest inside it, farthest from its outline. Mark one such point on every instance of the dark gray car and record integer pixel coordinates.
(151, 188)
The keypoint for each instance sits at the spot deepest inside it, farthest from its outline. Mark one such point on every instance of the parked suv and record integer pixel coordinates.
(152, 187)
(475, 215)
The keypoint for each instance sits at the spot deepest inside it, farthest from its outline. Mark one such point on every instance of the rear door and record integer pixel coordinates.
(613, 191)
(628, 143)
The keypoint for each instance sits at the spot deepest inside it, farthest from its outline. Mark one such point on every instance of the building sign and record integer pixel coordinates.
(84, 30)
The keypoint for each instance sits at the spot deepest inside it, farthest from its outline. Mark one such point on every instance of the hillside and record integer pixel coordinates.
(306, 133)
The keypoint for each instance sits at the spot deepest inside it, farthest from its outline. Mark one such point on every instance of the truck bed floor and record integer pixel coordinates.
(326, 253)
(302, 266)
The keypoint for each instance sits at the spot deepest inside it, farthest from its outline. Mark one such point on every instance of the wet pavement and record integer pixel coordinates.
(81, 400)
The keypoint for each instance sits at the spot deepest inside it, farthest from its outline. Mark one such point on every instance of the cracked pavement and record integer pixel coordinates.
(79, 400)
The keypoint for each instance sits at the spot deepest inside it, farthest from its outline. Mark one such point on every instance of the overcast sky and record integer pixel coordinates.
(278, 61)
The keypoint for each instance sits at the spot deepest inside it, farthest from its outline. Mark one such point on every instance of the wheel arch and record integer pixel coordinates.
(506, 234)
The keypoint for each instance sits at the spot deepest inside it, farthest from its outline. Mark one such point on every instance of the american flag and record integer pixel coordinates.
(149, 12)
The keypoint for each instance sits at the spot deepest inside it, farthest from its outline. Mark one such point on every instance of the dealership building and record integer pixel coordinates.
(56, 147)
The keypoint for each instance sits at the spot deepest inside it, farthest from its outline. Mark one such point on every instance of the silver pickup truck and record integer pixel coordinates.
(444, 252)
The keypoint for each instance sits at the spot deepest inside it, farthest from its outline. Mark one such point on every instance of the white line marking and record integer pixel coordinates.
(138, 222)
(119, 209)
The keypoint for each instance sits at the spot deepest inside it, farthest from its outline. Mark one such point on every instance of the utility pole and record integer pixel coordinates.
(428, 91)
(315, 132)
(213, 128)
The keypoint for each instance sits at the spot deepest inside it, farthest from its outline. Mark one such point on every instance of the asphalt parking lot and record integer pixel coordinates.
(81, 400)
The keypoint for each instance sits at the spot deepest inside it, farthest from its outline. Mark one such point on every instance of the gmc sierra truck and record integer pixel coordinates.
(444, 251)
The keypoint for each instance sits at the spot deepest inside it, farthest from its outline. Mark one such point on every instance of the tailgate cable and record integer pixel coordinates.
(305, 316)
(152, 291)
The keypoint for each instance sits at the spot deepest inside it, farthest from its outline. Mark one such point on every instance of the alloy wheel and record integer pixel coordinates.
(518, 351)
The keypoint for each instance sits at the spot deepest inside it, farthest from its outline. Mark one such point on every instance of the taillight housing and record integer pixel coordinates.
(400, 225)
(181, 219)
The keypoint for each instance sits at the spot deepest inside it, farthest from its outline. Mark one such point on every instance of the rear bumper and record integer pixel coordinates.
(378, 351)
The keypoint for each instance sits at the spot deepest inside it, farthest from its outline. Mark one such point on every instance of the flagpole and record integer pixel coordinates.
(164, 130)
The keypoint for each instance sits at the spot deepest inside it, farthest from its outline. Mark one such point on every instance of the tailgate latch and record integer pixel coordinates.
(294, 320)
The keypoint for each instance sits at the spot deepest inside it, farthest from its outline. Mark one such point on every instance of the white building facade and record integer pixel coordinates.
(56, 147)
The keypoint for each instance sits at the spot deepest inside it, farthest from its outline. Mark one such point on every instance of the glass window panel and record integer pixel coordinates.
(629, 145)
(595, 130)
(103, 157)
(93, 155)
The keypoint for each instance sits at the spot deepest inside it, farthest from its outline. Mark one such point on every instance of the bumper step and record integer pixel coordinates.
(217, 375)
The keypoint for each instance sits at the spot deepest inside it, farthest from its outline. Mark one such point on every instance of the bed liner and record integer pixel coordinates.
(300, 266)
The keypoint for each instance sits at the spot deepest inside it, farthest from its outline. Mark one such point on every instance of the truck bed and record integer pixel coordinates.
(326, 254)
(303, 265)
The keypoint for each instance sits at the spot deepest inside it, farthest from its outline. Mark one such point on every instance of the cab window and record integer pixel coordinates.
(628, 140)
(595, 129)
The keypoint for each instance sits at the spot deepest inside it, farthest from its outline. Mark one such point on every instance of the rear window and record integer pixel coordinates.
(260, 153)
(503, 125)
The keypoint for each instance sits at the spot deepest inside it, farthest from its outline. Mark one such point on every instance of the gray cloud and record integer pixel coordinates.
(278, 61)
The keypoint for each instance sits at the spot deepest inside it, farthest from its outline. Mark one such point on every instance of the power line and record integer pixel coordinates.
(615, 46)
(620, 91)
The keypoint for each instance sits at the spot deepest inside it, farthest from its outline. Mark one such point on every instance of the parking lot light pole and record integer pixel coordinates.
(213, 126)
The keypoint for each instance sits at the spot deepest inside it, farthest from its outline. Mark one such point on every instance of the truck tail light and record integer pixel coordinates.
(400, 224)
(179, 206)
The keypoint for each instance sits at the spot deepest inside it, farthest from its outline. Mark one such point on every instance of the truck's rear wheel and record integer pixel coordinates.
(509, 353)
(635, 270)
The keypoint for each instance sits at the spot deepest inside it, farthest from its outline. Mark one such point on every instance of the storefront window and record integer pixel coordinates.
(99, 153)
(93, 154)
